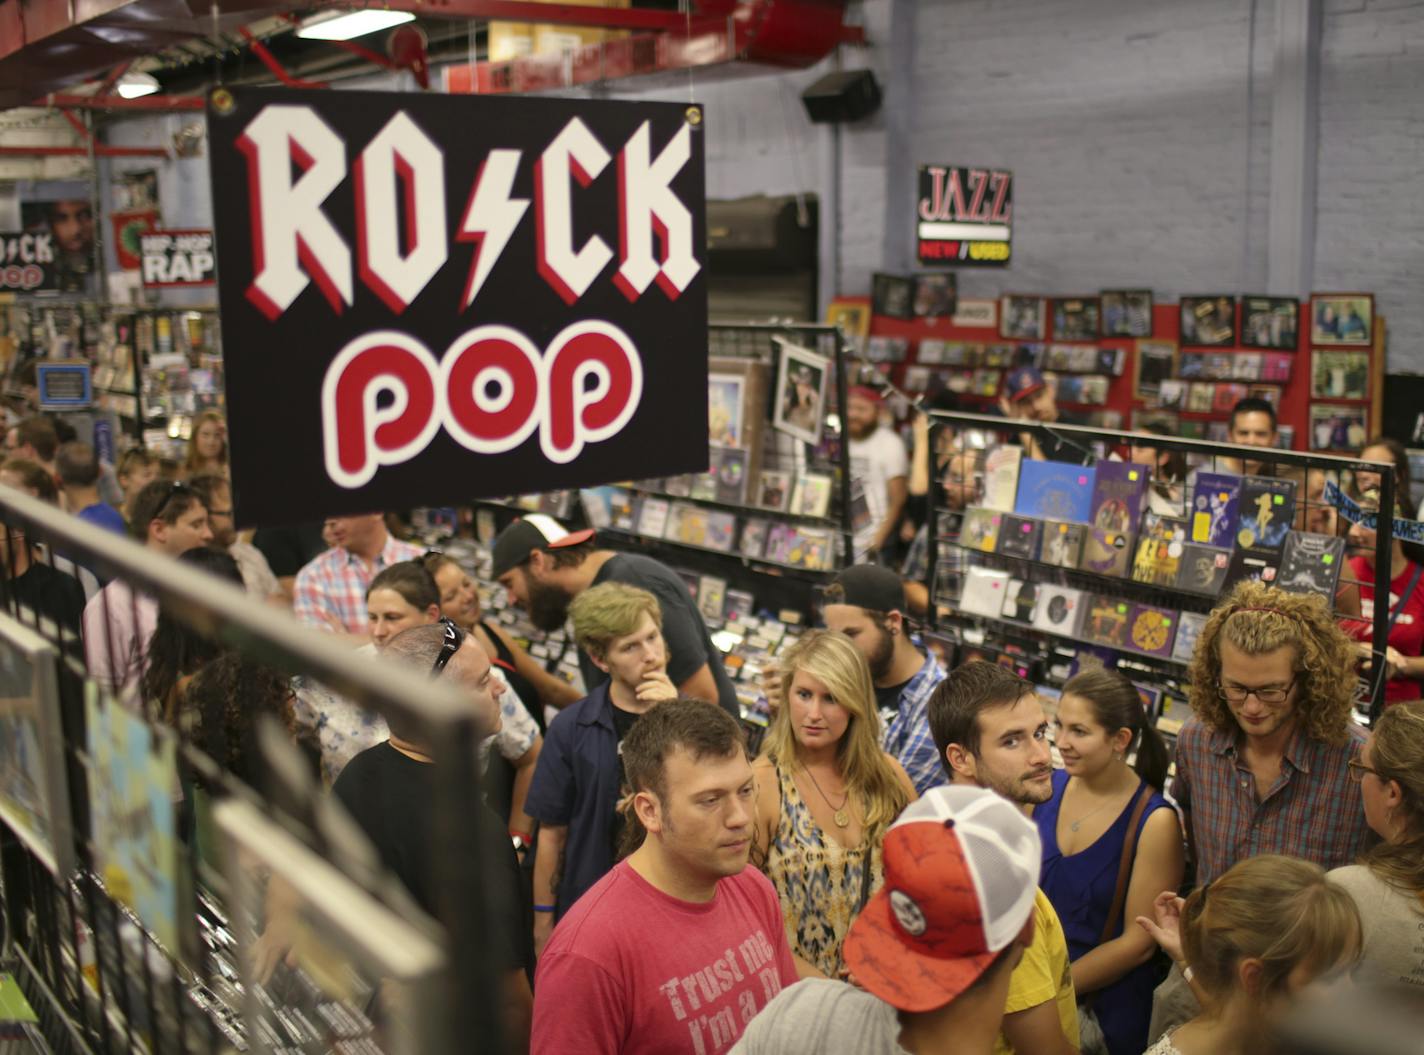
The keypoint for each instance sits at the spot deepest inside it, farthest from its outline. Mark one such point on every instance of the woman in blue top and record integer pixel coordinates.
(1102, 812)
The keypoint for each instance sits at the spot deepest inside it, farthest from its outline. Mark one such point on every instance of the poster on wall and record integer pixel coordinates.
(34, 796)
(66, 217)
(129, 228)
(964, 216)
(132, 782)
(492, 295)
(177, 258)
(27, 262)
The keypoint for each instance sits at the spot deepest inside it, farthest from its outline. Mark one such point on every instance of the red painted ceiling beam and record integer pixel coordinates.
(80, 152)
(118, 102)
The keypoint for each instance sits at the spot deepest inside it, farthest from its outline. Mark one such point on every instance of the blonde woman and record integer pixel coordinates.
(1388, 883)
(1248, 943)
(826, 794)
(207, 447)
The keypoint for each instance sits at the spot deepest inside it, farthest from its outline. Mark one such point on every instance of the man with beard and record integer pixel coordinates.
(867, 604)
(578, 780)
(879, 462)
(992, 732)
(545, 567)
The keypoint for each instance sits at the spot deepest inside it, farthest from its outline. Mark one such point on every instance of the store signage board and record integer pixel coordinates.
(427, 299)
(177, 259)
(65, 385)
(964, 217)
(27, 262)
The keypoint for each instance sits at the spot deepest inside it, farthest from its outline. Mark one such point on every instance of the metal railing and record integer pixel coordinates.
(98, 979)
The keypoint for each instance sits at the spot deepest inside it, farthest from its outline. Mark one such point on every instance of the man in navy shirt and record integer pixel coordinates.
(579, 777)
(78, 470)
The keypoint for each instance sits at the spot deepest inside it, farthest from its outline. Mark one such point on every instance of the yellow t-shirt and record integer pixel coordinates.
(1043, 974)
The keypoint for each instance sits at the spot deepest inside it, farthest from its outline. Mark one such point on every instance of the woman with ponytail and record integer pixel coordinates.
(1111, 843)
(1248, 944)
(1388, 883)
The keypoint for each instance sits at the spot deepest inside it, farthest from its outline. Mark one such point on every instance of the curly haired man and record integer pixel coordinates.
(1262, 766)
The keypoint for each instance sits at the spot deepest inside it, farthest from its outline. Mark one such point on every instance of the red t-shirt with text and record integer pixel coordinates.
(1407, 634)
(630, 969)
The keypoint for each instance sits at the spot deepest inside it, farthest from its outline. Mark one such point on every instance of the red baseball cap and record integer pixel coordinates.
(961, 875)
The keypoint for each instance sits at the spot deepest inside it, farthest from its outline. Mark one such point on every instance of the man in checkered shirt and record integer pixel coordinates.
(867, 604)
(331, 590)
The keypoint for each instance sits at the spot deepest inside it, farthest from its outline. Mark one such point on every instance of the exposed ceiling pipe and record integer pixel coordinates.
(70, 101)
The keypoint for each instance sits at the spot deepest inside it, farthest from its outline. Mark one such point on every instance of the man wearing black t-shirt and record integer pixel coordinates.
(389, 790)
(31, 589)
(545, 567)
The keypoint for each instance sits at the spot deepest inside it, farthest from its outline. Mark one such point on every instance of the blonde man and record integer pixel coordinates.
(579, 779)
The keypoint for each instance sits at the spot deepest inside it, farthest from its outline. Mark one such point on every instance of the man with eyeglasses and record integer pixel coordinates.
(991, 732)
(168, 518)
(1263, 764)
(389, 790)
(257, 576)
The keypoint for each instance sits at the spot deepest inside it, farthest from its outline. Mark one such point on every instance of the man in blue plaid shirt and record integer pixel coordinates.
(867, 604)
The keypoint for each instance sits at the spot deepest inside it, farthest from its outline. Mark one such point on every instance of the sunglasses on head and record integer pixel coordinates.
(454, 638)
(175, 488)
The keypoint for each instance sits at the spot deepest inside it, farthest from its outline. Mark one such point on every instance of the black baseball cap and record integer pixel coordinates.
(515, 543)
(871, 586)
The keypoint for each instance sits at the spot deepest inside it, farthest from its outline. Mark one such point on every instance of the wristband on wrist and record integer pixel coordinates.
(543, 908)
(1187, 972)
(515, 833)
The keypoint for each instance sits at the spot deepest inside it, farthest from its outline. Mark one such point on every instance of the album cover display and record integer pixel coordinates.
(812, 497)
(1001, 476)
(1019, 537)
(1062, 543)
(753, 540)
(1107, 552)
(984, 590)
(1054, 491)
(893, 295)
(931, 351)
(1076, 319)
(935, 294)
(1209, 321)
(1203, 569)
(1106, 621)
(711, 598)
(886, 349)
(1189, 625)
(1151, 629)
(774, 490)
(1214, 504)
(653, 517)
(1159, 550)
(1270, 322)
(1020, 601)
(1127, 312)
(1254, 567)
(1119, 491)
(704, 487)
(729, 465)
(779, 540)
(1311, 563)
(980, 529)
(1267, 511)
(1059, 609)
(1023, 318)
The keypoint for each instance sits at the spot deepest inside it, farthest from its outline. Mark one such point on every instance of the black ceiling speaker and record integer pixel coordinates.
(838, 98)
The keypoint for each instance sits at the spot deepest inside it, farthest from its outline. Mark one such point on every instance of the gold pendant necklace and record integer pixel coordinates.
(840, 816)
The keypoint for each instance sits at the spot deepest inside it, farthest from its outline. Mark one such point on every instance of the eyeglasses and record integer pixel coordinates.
(1358, 770)
(454, 638)
(1266, 694)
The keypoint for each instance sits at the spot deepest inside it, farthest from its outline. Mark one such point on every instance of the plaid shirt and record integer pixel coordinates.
(335, 583)
(1313, 810)
(907, 731)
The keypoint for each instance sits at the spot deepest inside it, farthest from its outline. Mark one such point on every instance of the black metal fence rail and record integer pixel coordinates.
(98, 980)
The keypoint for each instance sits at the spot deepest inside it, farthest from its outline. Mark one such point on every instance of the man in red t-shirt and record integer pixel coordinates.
(680, 945)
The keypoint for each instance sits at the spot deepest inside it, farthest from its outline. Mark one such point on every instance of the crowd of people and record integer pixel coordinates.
(899, 866)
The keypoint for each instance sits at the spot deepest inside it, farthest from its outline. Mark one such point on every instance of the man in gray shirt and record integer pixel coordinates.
(934, 949)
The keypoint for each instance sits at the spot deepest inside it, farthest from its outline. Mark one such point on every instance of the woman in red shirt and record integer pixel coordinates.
(1406, 604)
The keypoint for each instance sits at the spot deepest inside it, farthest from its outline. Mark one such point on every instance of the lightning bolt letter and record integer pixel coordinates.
(490, 217)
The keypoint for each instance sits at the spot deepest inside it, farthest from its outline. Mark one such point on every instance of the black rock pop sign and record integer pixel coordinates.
(427, 299)
(27, 262)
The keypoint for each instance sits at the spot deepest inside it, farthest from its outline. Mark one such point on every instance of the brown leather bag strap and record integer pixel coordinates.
(1124, 868)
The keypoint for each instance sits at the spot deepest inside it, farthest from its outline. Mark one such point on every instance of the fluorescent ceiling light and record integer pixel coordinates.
(352, 24)
(133, 85)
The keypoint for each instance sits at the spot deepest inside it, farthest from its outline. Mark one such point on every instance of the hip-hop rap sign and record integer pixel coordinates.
(427, 299)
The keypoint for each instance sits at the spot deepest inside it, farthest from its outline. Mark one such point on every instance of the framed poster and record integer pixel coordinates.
(1209, 322)
(34, 792)
(725, 401)
(936, 294)
(1342, 318)
(1270, 322)
(1076, 319)
(352, 955)
(132, 781)
(1339, 375)
(801, 377)
(1338, 427)
(1023, 318)
(523, 323)
(1156, 362)
(851, 315)
(1127, 312)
